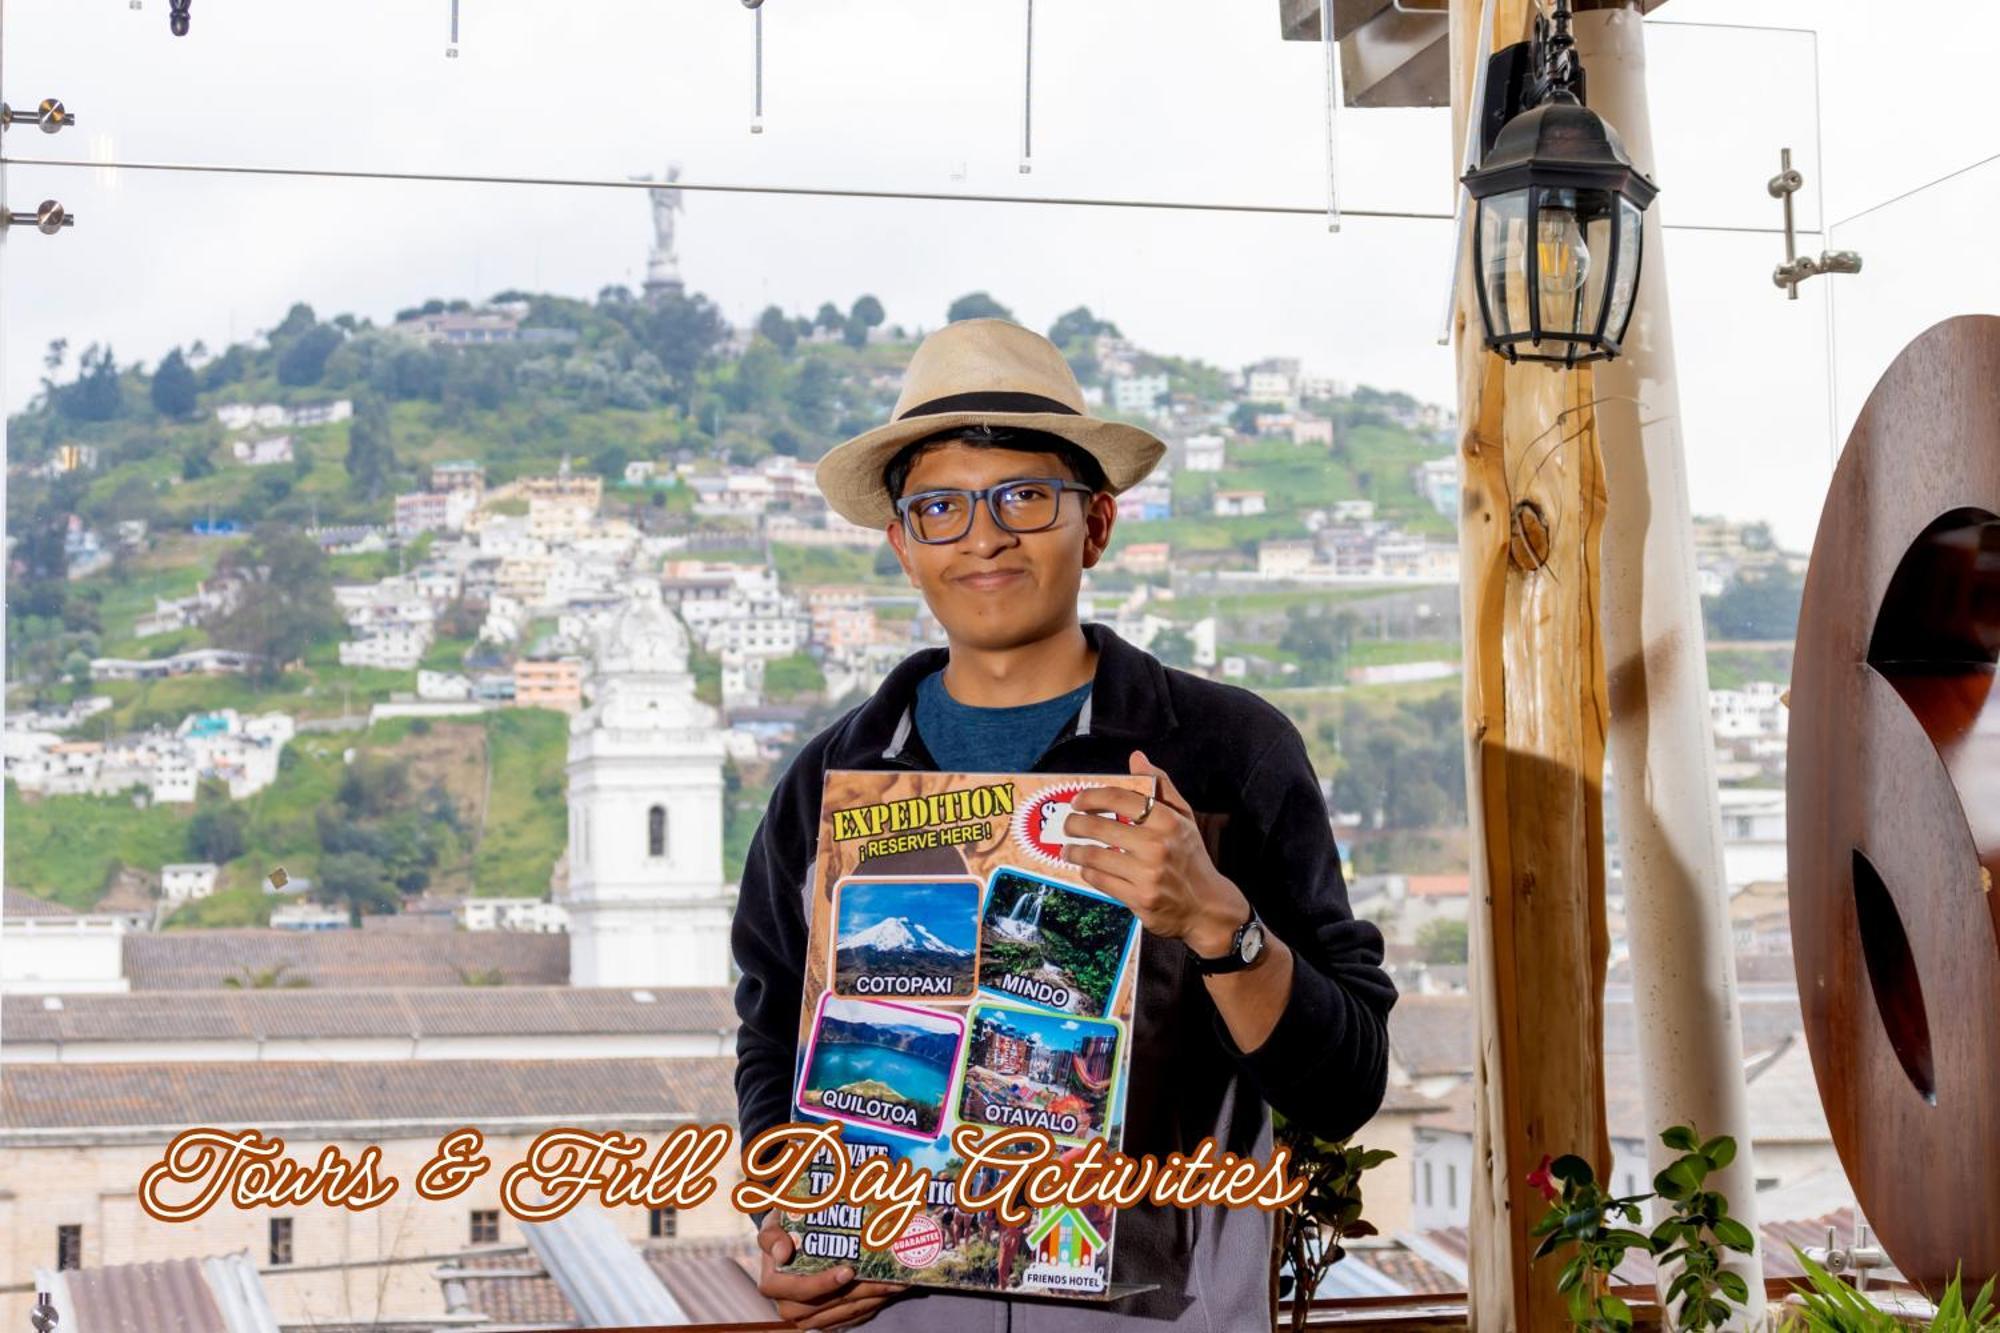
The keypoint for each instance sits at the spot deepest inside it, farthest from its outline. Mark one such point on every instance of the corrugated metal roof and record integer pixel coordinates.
(230, 1092)
(711, 1279)
(600, 1274)
(308, 1013)
(221, 1294)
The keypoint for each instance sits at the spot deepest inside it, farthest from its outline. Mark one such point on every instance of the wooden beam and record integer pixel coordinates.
(1536, 714)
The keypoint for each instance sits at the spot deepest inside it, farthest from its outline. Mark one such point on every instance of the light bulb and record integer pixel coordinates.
(1562, 260)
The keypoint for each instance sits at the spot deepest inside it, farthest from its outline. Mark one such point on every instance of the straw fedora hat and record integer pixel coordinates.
(974, 372)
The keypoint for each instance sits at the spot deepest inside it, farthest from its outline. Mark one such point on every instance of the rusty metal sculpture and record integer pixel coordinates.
(1894, 802)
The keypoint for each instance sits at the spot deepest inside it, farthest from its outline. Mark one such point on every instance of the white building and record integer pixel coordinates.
(1138, 394)
(389, 648)
(195, 879)
(443, 686)
(308, 916)
(1753, 835)
(263, 453)
(1202, 453)
(534, 915)
(1437, 480)
(646, 899)
(52, 949)
(1238, 504)
(433, 511)
(1750, 713)
(1284, 559)
(1273, 381)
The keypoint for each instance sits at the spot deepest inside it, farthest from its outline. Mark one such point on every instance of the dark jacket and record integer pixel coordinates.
(1243, 769)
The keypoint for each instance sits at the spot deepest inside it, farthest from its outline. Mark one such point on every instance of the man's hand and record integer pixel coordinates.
(1159, 868)
(816, 1300)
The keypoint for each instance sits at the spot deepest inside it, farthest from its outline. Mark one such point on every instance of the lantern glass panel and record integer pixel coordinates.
(1627, 281)
(1503, 244)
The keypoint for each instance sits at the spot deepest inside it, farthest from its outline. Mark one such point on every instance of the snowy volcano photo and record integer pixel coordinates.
(914, 937)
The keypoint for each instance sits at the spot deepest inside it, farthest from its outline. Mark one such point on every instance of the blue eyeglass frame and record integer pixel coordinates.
(989, 494)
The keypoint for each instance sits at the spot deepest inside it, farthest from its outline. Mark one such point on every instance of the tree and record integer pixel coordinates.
(216, 834)
(777, 329)
(374, 785)
(682, 332)
(829, 317)
(866, 314)
(360, 880)
(370, 457)
(610, 463)
(1756, 606)
(98, 394)
(1078, 324)
(303, 359)
(286, 604)
(296, 321)
(976, 305)
(1444, 941)
(1244, 419)
(173, 386)
(1173, 647)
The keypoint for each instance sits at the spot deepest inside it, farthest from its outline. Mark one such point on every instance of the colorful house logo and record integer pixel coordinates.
(1064, 1236)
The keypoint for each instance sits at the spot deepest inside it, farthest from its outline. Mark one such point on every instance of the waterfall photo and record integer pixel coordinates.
(1053, 945)
(912, 937)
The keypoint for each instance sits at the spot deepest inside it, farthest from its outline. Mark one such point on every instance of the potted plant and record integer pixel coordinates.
(1310, 1230)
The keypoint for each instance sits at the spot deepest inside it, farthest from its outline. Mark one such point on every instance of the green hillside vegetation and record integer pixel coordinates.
(411, 812)
(599, 384)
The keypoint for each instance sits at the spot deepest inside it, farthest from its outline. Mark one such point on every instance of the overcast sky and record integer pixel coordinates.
(1184, 100)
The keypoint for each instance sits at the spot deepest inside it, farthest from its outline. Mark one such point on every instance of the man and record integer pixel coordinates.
(1257, 986)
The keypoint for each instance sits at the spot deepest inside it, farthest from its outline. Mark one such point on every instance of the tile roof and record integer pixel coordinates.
(342, 959)
(303, 1014)
(92, 1096)
(1435, 1034)
(13, 902)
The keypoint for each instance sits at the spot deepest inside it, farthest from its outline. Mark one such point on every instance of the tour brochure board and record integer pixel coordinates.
(959, 971)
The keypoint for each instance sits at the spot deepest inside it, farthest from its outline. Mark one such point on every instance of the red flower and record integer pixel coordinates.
(1541, 1180)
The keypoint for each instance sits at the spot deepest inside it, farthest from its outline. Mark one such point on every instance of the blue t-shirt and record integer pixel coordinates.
(965, 738)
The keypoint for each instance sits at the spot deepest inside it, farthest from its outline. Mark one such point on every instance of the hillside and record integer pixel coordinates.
(126, 488)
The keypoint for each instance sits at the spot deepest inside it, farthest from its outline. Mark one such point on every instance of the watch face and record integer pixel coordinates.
(1253, 942)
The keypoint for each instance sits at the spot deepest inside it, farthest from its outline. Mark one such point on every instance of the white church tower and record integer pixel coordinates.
(647, 906)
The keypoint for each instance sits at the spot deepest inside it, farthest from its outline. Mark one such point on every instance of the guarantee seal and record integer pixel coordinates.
(920, 1244)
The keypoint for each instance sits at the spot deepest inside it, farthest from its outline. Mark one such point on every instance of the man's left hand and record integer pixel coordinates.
(1159, 866)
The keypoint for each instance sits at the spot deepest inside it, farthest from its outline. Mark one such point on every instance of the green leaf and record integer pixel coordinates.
(1552, 1219)
(1733, 1286)
(1632, 1239)
(1548, 1245)
(1732, 1233)
(1615, 1310)
(1720, 1151)
(1673, 1183)
(1681, 1138)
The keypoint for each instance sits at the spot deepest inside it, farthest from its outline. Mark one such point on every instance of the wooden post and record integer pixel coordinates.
(1536, 714)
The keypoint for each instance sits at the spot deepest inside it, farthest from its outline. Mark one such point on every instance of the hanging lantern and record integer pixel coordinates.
(1557, 239)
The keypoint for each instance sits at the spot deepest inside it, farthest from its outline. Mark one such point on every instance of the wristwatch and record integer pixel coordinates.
(1245, 948)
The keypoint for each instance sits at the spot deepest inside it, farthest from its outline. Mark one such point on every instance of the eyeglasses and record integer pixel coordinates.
(1025, 504)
